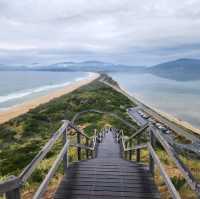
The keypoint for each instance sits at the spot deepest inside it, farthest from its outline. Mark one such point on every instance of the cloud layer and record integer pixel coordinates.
(136, 32)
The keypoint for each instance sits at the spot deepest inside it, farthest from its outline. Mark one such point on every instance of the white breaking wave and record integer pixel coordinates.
(26, 93)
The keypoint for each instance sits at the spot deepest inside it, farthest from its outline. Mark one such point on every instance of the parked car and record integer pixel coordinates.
(151, 120)
(146, 116)
(168, 131)
(158, 124)
(140, 112)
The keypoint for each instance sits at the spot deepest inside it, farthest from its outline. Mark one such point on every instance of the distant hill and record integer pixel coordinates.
(87, 66)
(4, 67)
(91, 66)
(181, 69)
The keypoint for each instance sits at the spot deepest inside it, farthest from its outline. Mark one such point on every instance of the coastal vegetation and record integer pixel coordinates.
(21, 138)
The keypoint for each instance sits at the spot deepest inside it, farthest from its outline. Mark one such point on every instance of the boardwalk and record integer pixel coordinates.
(107, 176)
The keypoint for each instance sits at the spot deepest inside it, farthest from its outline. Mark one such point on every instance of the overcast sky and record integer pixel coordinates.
(137, 32)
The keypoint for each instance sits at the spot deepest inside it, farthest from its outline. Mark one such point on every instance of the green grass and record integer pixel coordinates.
(22, 137)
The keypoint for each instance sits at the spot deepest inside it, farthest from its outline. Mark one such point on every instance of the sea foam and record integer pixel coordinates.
(25, 93)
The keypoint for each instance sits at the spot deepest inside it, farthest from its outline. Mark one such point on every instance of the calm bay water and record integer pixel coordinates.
(19, 86)
(180, 99)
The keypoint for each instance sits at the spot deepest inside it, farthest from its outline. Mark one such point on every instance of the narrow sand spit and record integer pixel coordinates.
(26, 106)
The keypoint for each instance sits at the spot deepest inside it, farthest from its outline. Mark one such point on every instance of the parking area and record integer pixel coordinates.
(142, 118)
(134, 114)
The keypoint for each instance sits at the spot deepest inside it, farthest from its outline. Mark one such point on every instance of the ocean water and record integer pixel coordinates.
(17, 87)
(180, 99)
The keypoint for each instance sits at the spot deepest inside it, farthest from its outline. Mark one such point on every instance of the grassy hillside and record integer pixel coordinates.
(24, 136)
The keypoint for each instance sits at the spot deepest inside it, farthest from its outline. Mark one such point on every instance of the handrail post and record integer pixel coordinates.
(151, 160)
(130, 152)
(94, 140)
(78, 142)
(126, 144)
(13, 194)
(87, 151)
(138, 151)
(65, 158)
(94, 153)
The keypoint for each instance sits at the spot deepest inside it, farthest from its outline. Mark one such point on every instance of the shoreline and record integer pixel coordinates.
(168, 116)
(23, 108)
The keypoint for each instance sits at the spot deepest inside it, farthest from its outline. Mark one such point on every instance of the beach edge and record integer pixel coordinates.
(23, 108)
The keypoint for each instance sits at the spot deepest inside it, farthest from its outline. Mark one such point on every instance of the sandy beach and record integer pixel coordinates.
(25, 107)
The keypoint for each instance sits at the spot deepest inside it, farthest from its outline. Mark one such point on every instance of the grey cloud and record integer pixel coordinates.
(115, 30)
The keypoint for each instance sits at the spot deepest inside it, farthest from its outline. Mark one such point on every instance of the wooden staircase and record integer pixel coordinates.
(107, 176)
(107, 170)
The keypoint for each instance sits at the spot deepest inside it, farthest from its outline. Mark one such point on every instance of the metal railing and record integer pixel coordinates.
(11, 188)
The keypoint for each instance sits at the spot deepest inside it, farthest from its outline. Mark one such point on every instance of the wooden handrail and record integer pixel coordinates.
(154, 159)
(26, 173)
(14, 183)
(136, 147)
(81, 146)
(11, 187)
(166, 178)
(138, 132)
(41, 190)
(120, 136)
(79, 130)
(174, 156)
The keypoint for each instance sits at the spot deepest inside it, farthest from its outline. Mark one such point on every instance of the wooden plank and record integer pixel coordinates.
(126, 181)
(92, 194)
(133, 184)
